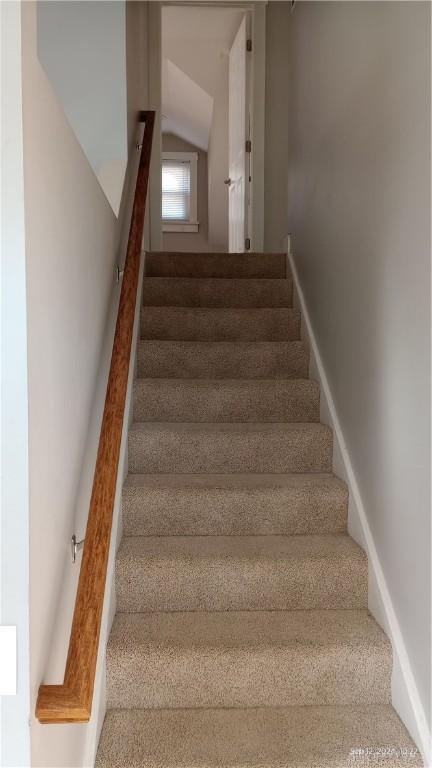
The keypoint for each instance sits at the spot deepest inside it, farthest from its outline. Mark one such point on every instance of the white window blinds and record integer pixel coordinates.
(176, 190)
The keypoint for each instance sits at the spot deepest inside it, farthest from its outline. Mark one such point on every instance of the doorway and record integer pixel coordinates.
(212, 127)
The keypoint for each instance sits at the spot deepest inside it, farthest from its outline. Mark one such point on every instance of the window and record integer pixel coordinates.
(179, 192)
(175, 190)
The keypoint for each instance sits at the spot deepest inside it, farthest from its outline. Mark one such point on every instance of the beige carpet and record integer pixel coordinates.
(242, 637)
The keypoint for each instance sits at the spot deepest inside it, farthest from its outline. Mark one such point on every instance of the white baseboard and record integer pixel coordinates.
(405, 696)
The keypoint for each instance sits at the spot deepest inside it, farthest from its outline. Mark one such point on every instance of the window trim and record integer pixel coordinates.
(192, 225)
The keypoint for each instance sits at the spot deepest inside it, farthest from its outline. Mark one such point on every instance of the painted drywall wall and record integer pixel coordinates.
(137, 82)
(189, 241)
(276, 126)
(14, 523)
(155, 103)
(258, 89)
(82, 47)
(136, 65)
(359, 214)
(73, 244)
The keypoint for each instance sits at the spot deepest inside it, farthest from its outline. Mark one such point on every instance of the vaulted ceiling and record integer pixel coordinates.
(195, 48)
(186, 108)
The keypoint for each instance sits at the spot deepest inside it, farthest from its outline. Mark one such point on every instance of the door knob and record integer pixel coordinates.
(227, 182)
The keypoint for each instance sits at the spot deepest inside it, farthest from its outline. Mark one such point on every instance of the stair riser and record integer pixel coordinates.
(227, 584)
(164, 359)
(172, 400)
(168, 450)
(215, 265)
(179, 323)
(266, 677)
(219, 512)
(217, 292)
(290, 737)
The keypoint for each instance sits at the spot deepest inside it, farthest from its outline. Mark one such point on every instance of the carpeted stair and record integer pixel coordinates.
(242, 637)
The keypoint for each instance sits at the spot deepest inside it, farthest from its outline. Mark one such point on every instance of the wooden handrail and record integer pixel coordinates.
(71, 702)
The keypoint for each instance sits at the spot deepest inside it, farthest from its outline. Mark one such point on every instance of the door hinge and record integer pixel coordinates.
(248, 145)
(249, 45)
(247, 244)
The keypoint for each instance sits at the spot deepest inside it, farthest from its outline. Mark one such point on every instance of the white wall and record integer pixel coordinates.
(137, 80)
(136, 65)
(359, 213)
(155, 103)
(218, 167)
(82, 47)
(14, 523)
(276, 126)
(258, 98)
(73, 243)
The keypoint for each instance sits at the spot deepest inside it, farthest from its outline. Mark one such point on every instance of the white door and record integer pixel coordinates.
(238, 181)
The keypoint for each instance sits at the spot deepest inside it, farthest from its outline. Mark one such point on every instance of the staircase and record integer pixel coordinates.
(242, 636)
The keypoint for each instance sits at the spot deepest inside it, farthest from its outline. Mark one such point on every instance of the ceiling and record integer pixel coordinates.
(205, 23)
(186, 108)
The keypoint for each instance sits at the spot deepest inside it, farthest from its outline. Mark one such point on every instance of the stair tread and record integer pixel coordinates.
(169, 263)
(245, 630)
(226, 504)
(217, 291)
(228, 447)
(268, 737)
(243, 312)
(193, 280)
(202, 383)
(220, 323)
(243, 281)
(231, 344)
(250, 427)
(240, 480)
(222, 359)
(218, 254)
(218, 312)
(225, 400)
(247, 658)
(246, 549)
(240, 572)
